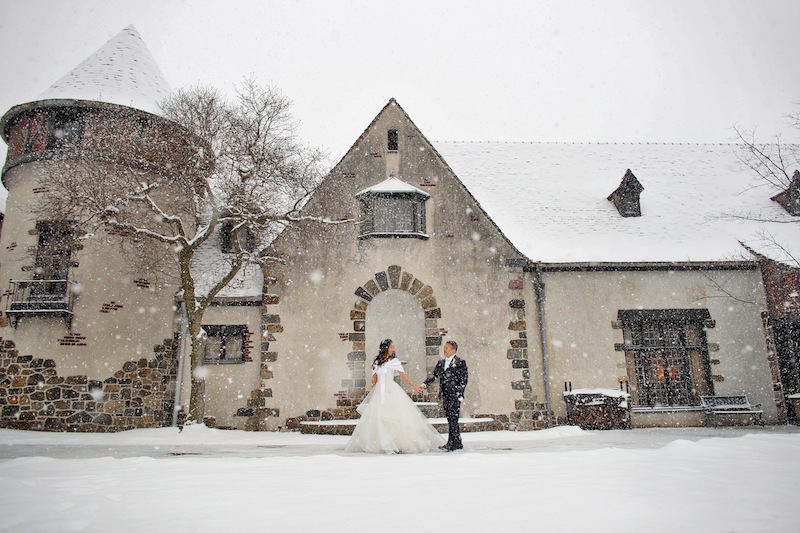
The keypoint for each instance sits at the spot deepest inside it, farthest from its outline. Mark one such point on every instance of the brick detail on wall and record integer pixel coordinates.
(248, 347)
(111, 306)
(34, 397)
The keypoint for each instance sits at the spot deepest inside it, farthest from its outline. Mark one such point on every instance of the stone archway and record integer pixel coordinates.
(354, 387)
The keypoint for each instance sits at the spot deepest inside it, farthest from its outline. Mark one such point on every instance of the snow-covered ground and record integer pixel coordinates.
(562, 479)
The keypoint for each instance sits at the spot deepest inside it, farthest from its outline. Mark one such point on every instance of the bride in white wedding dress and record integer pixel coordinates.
(390, 422)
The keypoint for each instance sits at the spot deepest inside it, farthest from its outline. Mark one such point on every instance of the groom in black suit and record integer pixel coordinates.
(452, 374)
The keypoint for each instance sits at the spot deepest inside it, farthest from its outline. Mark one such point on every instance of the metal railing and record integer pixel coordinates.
(40, 297)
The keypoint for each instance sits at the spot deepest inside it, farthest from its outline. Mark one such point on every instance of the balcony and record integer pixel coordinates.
(40, 297)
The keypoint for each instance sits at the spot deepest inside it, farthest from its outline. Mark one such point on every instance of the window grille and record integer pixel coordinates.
(224, 344)
(667, 354)
(53, 257)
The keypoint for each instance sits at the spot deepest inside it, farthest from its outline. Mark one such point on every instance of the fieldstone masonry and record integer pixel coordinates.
(528, 414)
(258, 411)
(34, 397)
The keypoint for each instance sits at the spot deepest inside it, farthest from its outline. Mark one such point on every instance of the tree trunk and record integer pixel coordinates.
(197, 396)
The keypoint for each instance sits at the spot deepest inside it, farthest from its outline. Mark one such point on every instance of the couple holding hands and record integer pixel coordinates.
(391, 423)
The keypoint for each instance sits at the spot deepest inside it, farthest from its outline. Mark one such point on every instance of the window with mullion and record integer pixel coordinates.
(393, 215)
(224, 344)
(53, 258)
(670, 360)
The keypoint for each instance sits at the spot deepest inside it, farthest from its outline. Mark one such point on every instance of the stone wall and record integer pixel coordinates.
(34, 397)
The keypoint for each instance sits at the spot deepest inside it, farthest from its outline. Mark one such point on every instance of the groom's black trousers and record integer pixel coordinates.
(452, 407)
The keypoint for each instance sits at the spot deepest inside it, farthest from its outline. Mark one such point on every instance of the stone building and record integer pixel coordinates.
(600, 266)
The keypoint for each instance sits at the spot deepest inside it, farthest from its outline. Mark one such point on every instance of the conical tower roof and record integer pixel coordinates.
(121, 72)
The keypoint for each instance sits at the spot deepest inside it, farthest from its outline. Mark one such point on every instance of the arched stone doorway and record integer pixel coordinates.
(387, 281)
(396, 314)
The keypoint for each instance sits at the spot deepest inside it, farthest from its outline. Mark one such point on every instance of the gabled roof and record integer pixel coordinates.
(121, 72)
(550, 201)
(393, 104)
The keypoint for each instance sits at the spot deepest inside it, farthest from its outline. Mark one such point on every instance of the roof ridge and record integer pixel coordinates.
(625, 143)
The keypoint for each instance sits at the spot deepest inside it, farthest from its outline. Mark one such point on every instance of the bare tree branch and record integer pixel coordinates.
(242, 170)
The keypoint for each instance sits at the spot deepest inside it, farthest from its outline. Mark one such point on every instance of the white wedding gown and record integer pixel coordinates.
(390, 422)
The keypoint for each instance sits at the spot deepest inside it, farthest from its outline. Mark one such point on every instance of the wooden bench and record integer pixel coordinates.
(730, 405)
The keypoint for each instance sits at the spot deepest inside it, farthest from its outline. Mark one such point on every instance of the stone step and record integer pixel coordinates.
(346, 427)
(430, 409)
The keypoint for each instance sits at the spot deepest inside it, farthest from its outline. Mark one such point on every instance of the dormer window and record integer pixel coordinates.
(790, 198)
(393, 208)
(626, 196)
(392, 140)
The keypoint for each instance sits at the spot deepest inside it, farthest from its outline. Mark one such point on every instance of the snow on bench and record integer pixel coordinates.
(730, 405)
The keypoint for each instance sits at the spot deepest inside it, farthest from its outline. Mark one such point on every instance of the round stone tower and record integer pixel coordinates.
(87, 340)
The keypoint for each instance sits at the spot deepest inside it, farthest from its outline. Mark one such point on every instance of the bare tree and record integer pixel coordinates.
(242, 169)
(772, 163)
(775, 165)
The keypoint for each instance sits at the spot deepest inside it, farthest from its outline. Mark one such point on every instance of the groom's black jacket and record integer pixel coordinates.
(452, 381)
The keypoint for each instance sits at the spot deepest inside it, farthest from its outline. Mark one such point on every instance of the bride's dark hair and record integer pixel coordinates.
(383, 355)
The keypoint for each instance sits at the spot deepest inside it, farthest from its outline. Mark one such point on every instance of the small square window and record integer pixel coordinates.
(224, 344)
(392, 140)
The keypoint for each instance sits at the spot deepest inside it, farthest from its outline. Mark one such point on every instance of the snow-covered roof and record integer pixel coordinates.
(121, 72)
(392, 185)
(209, 264)
(550, 200)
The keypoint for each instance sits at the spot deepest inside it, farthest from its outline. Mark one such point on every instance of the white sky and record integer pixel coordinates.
(659, 71)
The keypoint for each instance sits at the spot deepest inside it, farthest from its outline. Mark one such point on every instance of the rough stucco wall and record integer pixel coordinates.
(116, 319)
(228, 386)
(581, 307)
